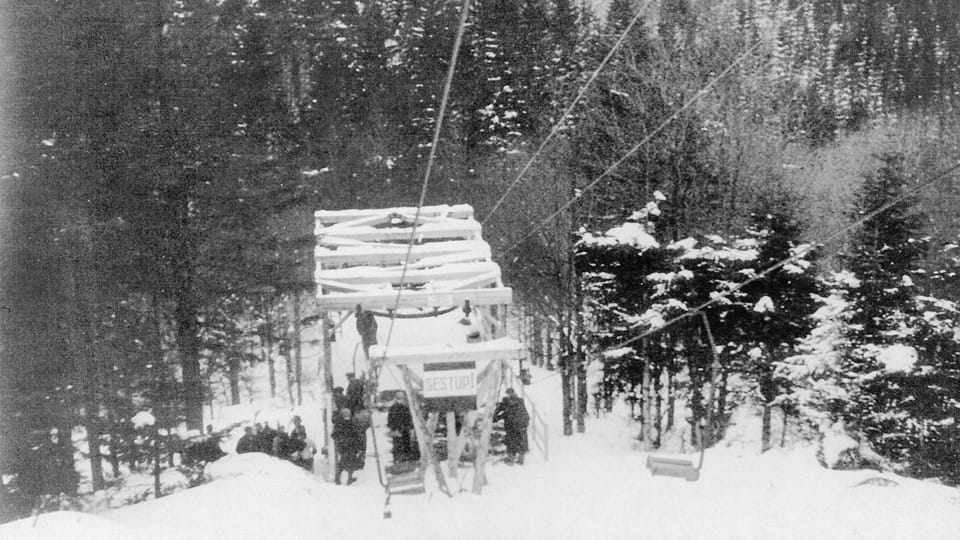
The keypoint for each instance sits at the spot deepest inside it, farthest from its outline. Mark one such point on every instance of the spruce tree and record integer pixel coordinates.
(884, 255)
(782, 302)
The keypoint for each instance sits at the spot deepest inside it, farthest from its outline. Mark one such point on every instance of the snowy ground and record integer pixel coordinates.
(594, 485)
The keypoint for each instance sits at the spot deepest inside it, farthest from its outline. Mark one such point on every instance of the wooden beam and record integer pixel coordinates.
(387, 299)
(372, 275)
(362, 253)
(454, 229)
(327, 217)
(482, 352)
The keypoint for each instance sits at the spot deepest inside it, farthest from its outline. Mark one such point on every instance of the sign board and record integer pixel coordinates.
(450, 386)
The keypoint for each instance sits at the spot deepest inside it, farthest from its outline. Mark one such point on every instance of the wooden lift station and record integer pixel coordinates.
(365, 258)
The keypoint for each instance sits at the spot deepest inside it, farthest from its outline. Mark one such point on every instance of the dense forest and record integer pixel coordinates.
(162, 159)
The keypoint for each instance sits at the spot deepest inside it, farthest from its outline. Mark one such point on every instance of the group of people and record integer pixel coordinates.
(294, 445)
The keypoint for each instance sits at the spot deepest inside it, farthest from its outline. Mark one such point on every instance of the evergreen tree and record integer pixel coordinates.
(783, 302)
(884, 256)
(885, 253)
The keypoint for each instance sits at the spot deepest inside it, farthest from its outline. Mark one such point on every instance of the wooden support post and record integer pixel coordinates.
(455, 442)
(328, 389)
(479, 479)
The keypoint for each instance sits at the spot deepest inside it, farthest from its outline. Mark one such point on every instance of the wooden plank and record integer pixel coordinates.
(452, 437)
(482, 352)
(454, 229)
(479, 477)
(372, 254)
(371, 275)
(337, 216)
(424, 435)
(387, 299)
(478, 281)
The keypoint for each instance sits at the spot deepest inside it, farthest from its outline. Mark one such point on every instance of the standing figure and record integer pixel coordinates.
(367, 328)
(265, 439)
(249, 442)
(513, 412)
(304, 457)
(349, 437)
(400, 424)
(354, 399)
(339, 400)
(298, 427)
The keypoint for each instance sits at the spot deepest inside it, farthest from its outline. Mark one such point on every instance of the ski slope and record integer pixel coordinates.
(594, 486)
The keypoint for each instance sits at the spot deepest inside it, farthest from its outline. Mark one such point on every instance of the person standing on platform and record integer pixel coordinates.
(400, 425)
(354, 399)
(349, 437)
(513, 412)
(367, 328)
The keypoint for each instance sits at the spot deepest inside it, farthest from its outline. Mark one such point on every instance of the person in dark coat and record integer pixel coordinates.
(349, 436)
(354, 398)
(294, 444)
(249, 442)
(513, 412)
(280, 445)
(265, 439)
(339, 399)
(400, 425)
(367, 328)
(298, 427)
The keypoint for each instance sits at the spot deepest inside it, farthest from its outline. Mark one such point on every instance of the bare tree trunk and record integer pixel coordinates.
(566, 375)
(765, 428)
(268, 354)
(289, 363)
(537, 340)
(658, 406)
(783, 432)
(548, 358)
(156, 465)
(297, 349)
(82, 336)
(233, 370)
(671, 400)
(189, 348)
(646, 417)
(115, 454)
(581, 361)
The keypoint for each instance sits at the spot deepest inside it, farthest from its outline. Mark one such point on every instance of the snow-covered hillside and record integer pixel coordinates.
(594, 485)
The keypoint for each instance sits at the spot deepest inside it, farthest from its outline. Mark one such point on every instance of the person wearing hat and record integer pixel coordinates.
(349, 438)
(513, 412)
(367, 328)
(354, 398)
(400, 424)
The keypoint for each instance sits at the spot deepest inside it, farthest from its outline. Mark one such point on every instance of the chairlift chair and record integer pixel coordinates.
(681, 467)
(678, 467)
(397, 479)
